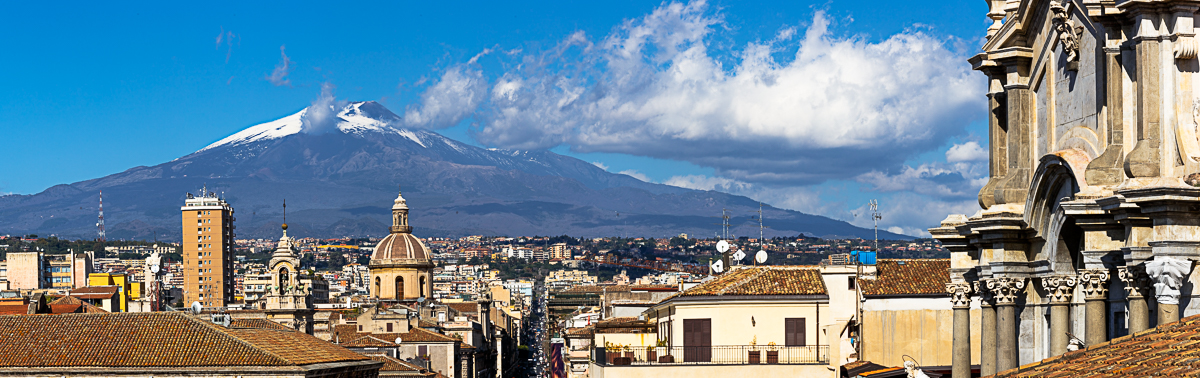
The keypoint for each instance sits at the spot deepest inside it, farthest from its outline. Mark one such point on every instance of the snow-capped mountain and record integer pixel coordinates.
(339, 176)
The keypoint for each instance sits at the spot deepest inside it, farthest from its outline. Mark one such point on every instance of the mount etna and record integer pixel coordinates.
(340, 180)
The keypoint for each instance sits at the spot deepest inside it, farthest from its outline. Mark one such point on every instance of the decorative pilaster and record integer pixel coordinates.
(1168, 274)
(1060, 289)
(1095, 293)
(960, 298)
(1007, 290)
(1137, 288)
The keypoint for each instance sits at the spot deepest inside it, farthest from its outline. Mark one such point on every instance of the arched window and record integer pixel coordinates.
(422, 288)
(377, 293)
(399, 287)
(283, 279)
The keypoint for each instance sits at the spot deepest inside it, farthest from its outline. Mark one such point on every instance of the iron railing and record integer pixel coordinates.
(712, 355)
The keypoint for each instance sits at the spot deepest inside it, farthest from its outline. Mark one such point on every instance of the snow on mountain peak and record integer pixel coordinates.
(354, 118)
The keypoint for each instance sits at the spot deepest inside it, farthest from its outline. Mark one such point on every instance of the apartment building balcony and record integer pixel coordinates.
(713, 355)
(711, 361)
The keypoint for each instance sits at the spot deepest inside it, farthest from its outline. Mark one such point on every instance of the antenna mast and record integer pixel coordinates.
(875, 216)
(100, 221)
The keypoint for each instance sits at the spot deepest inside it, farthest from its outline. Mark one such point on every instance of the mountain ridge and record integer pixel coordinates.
(343, 182)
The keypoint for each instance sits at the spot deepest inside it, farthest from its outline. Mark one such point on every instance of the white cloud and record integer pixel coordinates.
(839, 107)
(600, 165)
(451, 99)
(321, 115)
(969, 151)
(913, 214)
(960, 180)
(279, 75)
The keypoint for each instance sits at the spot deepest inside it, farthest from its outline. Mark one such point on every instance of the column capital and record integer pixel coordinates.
(986, 297)
(1006, 289)
(1168, 274)
(1061, 288)
(1095, 283)
(960, 294)
(1135, 279)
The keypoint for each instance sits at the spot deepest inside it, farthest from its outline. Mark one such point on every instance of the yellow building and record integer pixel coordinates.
(401, 269)
(207, 250)
(119, 280)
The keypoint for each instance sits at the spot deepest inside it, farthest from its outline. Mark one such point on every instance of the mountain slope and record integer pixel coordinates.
(339, 180)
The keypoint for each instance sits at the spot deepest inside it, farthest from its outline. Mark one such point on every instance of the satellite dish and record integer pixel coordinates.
(197, 308)
(722, 246)
(739, 255)
(421, 299)
(154, 269)
(718, 266)
(760, 257)
(398, 340)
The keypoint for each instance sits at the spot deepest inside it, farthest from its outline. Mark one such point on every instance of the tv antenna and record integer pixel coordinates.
(761, 256)
(875, 216)
(100, 221)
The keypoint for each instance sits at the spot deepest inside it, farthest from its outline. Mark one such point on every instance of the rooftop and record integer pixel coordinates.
(908, 277)
(1167, 351)
(160, 339)
(771, 280)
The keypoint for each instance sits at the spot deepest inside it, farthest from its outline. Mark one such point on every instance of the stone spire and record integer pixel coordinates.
(400, 216)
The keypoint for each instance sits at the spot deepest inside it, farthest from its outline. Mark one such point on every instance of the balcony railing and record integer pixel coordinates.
(713, 355)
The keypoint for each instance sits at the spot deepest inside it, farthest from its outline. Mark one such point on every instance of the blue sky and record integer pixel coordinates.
(814, 106)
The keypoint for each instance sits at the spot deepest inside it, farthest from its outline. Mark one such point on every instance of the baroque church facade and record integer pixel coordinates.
(1089, 224)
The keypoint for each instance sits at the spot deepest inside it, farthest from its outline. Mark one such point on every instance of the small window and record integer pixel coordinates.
(389, 327)
(850, 282)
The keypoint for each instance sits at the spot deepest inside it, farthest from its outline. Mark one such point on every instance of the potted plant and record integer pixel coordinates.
(667, 358)
(628, 352)
(651, 354)
(772, 353)
(754, 356)
(611, 350)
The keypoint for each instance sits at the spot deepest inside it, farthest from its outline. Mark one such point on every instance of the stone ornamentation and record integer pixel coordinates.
(1168, 274)
(960, 293)
(1006, 289)
(1060, 288)
(1094, 282)
(1135, 280)
(985, 295)
(1068, 32)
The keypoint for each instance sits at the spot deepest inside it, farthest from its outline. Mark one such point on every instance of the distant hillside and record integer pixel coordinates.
(341, 183)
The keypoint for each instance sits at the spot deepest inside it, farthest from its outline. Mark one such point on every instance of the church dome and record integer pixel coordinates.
(400, 247)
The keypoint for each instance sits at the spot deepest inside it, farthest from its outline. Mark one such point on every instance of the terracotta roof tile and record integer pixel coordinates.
(773, 280)
(14, 309)
(392, 364)
(65, 308)
(465, 307)
(908, 277)
(1169, 351)
(368, 341)
(258, 323)
(153, 340)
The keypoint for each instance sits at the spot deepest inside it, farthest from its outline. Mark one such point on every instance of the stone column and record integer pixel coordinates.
(1061, 290)
(987, 331)
(1168, 274)
(1006, 290)
(1137, 286)
(1095, 295)
(960, 298)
